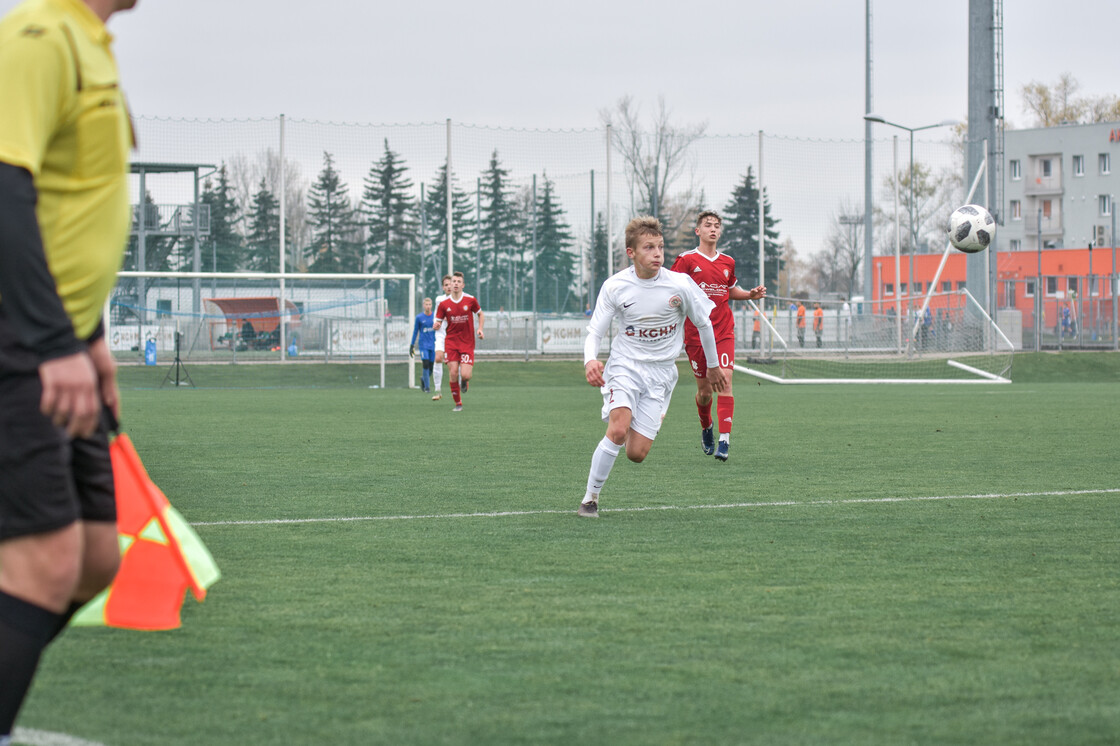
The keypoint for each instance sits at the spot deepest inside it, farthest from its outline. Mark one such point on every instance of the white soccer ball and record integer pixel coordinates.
(971, 228)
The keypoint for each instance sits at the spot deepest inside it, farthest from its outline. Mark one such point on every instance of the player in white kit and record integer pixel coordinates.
(651, 304)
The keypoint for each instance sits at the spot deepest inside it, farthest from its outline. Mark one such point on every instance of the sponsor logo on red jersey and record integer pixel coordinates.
(713, 290)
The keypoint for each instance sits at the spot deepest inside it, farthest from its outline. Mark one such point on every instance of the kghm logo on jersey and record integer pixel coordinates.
(675, 301)
(650, 334)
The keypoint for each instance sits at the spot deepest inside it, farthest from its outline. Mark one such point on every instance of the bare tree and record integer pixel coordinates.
(246, 176)
(1054, 104)
(796, 275)
(822, 273)
(656, 159)
(1104, 109)
(934, 197)
(837, 266)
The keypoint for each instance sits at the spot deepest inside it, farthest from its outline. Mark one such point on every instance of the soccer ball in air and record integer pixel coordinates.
(971, 228)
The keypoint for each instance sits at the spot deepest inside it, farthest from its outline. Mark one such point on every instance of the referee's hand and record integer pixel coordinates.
(71, 394)
(106, 368)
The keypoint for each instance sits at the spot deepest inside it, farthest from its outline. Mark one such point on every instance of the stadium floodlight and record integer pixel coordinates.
(875, 118)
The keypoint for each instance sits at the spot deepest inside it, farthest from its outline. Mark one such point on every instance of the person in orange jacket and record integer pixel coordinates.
(818, 322)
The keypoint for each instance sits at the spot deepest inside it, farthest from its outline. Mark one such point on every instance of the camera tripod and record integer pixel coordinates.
(182, 377)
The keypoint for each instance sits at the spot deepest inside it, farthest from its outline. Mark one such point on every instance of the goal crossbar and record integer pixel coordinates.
(354, 302)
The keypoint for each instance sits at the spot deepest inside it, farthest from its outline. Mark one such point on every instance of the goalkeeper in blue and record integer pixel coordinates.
(424, 331)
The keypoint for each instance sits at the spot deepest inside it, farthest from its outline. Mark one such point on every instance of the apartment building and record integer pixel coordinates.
(1059, 186)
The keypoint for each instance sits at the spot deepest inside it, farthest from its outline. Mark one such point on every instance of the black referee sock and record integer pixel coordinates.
(25, 629)
(64, 618)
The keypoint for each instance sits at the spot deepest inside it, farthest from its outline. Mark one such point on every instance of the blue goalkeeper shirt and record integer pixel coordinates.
(423, 329)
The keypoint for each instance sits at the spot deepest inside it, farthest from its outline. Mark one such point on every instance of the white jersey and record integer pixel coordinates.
(651, 316)
(441, 333)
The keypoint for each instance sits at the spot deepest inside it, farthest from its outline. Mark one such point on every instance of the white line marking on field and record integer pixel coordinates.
(718, 506)
(33, 737)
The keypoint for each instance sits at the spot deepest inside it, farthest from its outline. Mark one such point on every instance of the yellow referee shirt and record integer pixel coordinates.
(63, 118)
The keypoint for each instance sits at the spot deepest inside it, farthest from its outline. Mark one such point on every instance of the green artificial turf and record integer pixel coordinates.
(874, 565)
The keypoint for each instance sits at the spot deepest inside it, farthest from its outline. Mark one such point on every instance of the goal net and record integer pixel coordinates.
(942, 338)
(261, 317)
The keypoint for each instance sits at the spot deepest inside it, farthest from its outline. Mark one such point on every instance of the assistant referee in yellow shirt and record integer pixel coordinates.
(65, 135)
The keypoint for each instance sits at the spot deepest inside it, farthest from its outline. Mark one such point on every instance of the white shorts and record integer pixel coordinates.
(643, 388)
(441, 335)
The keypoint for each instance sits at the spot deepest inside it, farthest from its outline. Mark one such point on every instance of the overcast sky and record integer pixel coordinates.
(792, 68)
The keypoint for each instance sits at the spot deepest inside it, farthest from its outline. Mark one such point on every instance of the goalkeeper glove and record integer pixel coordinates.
(412, 350)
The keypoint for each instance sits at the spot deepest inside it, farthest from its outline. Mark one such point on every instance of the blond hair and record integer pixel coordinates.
(645, 225)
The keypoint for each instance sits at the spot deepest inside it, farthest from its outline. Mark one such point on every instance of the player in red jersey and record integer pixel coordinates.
(457, 311)
(714, 272)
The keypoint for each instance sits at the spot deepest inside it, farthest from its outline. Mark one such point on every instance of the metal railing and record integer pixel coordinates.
(173, 220)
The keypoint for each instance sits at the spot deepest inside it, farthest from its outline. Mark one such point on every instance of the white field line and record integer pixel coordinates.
(32, 737)
(716, 506)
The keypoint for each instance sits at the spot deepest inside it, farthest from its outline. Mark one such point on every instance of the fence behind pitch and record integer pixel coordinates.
(258, 317)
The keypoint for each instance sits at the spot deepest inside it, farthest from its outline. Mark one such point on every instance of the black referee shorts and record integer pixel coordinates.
(47, 479)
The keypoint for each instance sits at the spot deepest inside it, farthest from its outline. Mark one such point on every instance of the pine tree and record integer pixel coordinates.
(499, 270)
(597, 259)
(226, 244)
(334, 247)
(555, 264)
(263, 241)
(160, 254)
(740, 232)
(391, 241)
(435, 216)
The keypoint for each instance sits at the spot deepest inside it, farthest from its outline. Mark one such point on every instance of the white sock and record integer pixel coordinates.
(725, 438)
(437, 376)
(601, 463)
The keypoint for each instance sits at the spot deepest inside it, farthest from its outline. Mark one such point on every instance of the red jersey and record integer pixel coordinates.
(458, 320)
(715, 277)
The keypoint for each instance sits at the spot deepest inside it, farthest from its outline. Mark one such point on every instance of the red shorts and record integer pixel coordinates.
(699, 361)
(463, 356)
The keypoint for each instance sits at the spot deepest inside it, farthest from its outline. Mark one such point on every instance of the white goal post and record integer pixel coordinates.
(263, 316)
(950, 338)
(956, 343)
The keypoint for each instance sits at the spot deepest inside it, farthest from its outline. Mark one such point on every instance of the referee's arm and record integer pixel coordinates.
(32, 306)
(31, 302)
